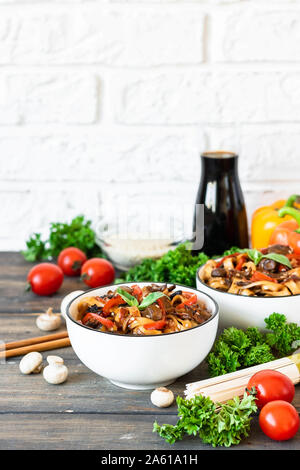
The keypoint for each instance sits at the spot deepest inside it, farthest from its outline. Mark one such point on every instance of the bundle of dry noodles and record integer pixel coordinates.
(223, 388)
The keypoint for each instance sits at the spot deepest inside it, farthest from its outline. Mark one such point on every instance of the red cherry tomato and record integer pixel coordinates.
(45, 278)
(279, 420)
(70, 260)
(97, 272)
(271, 385)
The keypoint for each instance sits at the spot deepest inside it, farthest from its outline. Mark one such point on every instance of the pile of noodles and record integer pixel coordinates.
(233, 282)
(133, 322)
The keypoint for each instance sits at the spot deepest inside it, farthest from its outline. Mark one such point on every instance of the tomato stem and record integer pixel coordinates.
(28, 287)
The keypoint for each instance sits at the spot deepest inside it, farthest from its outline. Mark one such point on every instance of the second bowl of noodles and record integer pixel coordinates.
(251, 285)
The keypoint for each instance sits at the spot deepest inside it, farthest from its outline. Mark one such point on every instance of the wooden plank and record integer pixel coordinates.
(22, 326)
(86, 412)
(84, 391)
(14, 299)
(94, 432)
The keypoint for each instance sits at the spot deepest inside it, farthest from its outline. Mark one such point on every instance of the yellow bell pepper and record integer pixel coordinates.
(265, 219)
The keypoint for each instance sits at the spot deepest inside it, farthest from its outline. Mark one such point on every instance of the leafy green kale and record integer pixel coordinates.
(62, 235)
(215, 424)
(177, 266)
(235, 348)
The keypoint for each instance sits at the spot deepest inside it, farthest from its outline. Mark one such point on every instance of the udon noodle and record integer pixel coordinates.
(242, 274)
(150, 310)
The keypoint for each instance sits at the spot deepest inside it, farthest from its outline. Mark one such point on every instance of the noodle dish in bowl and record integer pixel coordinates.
(249, 285)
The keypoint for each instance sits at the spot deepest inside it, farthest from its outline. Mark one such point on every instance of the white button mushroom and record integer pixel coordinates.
(48, 321)
(162, 397)
(32, 363)
(56, 372)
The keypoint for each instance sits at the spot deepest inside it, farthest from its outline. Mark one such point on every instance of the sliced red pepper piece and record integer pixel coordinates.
(258, 276)
(156, 325)
(93, 316)
(293, 255)
(162, 307)
(137, 292)
(192, 300)
(187, 294)
(240, 263)
(111, 303)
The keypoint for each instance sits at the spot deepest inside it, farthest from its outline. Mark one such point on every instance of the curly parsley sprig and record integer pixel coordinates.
(235, 348)
(177, 266)
(214, 423)
(77, 233)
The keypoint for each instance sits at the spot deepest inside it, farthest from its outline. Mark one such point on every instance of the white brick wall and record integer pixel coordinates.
(45, 98)
(119, 97)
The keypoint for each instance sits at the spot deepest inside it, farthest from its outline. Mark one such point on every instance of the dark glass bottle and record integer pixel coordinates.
(225, 218)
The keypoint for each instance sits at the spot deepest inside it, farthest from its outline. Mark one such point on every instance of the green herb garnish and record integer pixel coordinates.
(256, 256)
(201, 417)
(279, 259)
(130, 299)
(150, 299)
(283, 337)
(133, 302)
(236, 349)
(36, 248)
(77, 233)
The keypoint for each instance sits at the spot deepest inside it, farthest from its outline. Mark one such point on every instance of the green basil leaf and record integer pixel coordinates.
(279, 259)
(254, 255)
(130, 299)
(150, 299)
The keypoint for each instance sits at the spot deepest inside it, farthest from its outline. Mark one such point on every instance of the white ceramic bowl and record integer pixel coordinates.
(243, 311)
(140, 362)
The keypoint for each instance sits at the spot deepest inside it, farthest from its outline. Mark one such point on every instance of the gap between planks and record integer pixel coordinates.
(100, 413)
(27, 314)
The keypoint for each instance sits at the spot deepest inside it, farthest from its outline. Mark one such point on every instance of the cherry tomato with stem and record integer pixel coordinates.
(97, 272)
(70, 260)
(271, 385)
(279, 420)
(45, 279)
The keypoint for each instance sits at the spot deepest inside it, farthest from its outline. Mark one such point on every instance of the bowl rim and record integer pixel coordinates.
(237, 295)
(119, 335)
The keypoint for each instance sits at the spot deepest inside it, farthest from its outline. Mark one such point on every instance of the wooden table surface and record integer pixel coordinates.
(87, 411)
